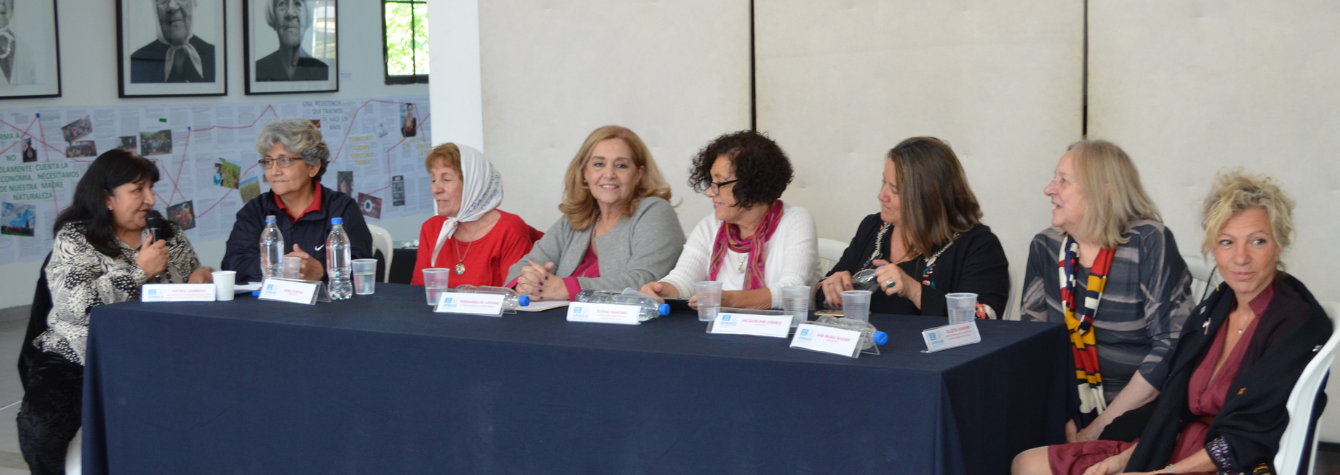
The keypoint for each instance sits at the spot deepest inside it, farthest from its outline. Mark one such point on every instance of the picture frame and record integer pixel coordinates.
(192, 34)
(290, 46)
(29, 50)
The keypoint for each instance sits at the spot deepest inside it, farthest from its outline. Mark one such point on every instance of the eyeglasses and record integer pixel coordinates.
(284, 162)
(715, 187)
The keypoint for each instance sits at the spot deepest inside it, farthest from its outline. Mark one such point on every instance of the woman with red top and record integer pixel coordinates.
(469, 235)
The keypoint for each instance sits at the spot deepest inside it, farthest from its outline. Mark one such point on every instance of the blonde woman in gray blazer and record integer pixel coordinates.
(618, 229)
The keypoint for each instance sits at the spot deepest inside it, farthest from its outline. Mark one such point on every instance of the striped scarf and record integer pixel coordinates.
(1091, 402)
(728, 237)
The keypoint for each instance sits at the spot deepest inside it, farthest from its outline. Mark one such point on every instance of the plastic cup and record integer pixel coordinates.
(223, 284)
(856, 305)
(435, 282)
(291, 267)
(962, 307)
(365, 276)
(709, 299)
(796, 301)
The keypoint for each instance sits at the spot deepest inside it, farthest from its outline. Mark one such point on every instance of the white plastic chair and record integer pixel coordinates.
(1012, 300)
(381, 241)
(830, 252)
(74, 456)
(1289, 459)
(1202, 275)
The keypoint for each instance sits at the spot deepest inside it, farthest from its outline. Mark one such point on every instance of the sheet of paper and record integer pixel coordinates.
(542, 305)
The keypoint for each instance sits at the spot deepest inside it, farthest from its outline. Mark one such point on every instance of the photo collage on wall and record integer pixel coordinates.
(207, 160)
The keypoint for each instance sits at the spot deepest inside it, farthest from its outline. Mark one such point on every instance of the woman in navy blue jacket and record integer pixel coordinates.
(294, 157)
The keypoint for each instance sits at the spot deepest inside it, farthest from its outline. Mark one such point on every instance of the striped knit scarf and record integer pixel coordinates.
(1091, 402)
(728, 237)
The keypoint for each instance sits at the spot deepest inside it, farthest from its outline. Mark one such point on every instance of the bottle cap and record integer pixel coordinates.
(524, 300)
(881, 338)
(255, 293)
(664, 309)
(270, 218)
(336, 220)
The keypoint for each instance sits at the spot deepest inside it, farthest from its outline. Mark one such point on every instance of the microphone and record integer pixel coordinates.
(154, 221)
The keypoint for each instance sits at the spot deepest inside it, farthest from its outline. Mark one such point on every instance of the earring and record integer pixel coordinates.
(109, 208)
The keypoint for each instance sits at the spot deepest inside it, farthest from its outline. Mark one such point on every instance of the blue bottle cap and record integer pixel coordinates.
(881, 338)
(336, 220)
(665, 309)
(524, 300)
(255, 293)
(269, 218)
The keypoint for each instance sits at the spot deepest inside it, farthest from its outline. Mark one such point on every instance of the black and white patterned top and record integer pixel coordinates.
(81, 278)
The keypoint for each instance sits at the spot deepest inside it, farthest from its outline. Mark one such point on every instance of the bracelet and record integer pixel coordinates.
(1170, 469)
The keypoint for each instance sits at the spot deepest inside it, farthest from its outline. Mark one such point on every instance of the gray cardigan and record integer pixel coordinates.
(641, 248)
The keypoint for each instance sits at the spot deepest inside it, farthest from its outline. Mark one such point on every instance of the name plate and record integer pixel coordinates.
(603, 313)
(177, 293)
(776, 326)
(827, 339)
(950, 336)
(292, 291)
(489, 305)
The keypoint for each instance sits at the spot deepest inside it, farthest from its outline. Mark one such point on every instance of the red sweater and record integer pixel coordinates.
(488, 258)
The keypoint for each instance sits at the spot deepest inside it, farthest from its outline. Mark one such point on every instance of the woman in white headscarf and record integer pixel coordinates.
(469, 235)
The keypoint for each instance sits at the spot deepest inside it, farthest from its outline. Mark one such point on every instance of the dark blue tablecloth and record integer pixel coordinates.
(380, 384)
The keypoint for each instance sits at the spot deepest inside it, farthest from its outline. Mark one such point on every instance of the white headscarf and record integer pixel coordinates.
(481, 192)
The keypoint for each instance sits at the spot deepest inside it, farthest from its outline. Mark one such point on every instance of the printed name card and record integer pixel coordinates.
(951, 336)
(776, 326)
(604, 313)
(489, 305)
(827, 339)
(293, 291)
(177, 293)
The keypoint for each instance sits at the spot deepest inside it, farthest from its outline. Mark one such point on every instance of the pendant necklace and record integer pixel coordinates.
(460, 258)
(742, 259)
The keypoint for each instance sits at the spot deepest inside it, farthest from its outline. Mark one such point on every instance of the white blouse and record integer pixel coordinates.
(792, 254)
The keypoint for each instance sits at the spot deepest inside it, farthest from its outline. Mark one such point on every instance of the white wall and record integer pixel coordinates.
(676, 73)
(841, 83)
(88, 67)
(1192, 87)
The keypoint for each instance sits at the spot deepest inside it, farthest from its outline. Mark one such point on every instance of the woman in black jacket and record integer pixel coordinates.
(294, 158)
(929, 228)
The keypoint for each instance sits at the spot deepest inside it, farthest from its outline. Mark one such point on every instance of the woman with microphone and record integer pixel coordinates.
(103, 252)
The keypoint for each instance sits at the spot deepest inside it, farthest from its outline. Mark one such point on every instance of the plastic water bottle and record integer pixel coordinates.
(339, 262)
(272, 249)
(869, 335)
(510, 303)
(864, 280)
(650, 306)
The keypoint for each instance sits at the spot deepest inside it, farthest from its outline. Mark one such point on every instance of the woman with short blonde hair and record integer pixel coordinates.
(1112, 272)
(618, 228)
(1222, 407)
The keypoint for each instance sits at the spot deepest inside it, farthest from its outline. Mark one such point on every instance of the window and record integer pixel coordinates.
(405, 25)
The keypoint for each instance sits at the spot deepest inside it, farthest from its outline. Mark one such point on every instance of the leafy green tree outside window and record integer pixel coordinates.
(405, 23)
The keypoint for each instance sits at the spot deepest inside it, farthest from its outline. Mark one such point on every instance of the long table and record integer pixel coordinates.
(379, 384)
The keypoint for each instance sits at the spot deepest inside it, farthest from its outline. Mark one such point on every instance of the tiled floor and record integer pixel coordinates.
(13, 323)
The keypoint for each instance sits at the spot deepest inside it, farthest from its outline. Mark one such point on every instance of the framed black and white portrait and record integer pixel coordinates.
(172, 47)
(29, 52)
(290, 46)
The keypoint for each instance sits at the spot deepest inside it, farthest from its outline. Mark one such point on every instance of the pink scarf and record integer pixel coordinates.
(728, 237)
